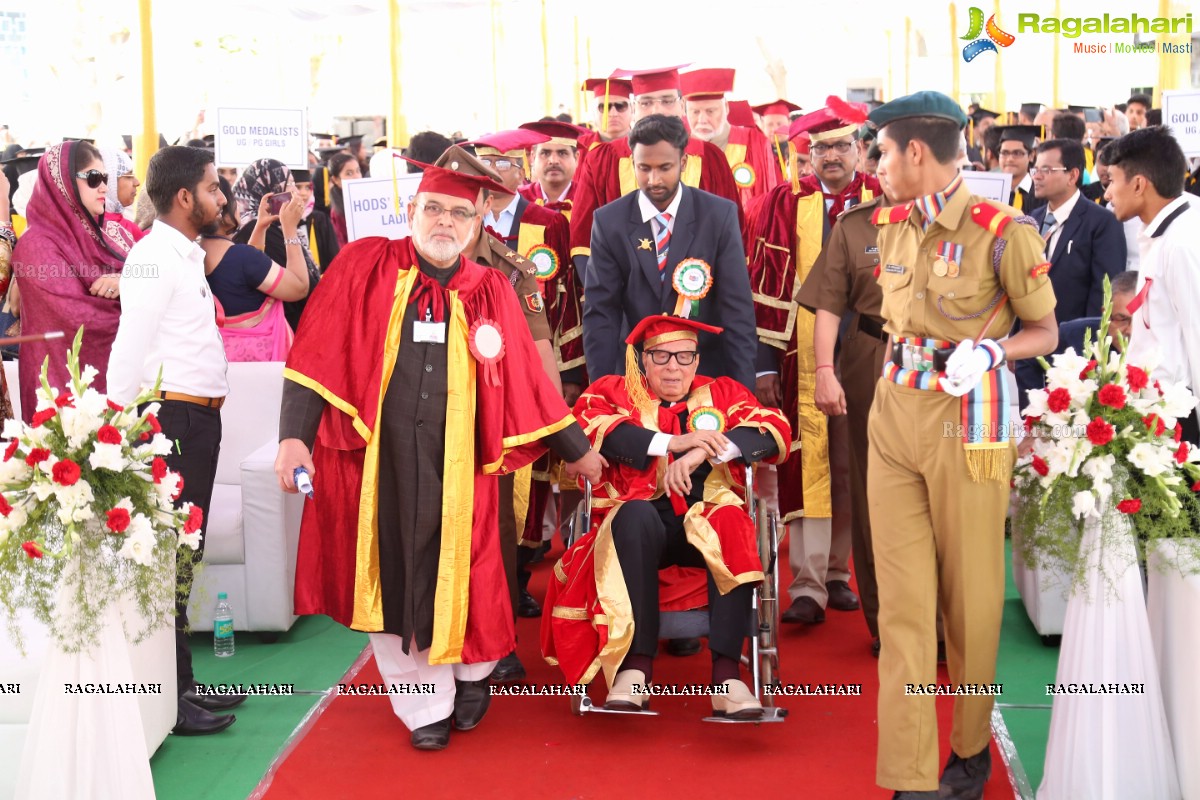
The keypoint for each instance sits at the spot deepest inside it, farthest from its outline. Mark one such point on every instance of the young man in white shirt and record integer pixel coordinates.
(1148, 168)
(168, 321)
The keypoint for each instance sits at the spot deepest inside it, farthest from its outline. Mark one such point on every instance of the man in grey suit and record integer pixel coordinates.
(668, 249)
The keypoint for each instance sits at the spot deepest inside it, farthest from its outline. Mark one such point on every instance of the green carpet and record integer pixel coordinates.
(313, 655)
(1024, 666)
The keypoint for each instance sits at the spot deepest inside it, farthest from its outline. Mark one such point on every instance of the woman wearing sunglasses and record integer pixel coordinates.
(68, 265)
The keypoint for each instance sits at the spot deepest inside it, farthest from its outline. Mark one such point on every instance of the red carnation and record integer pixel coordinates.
(65, 472)
(118, 520)
(1181, 454)
(64, 399)
(45, 415)
(32, 550)
(1137, 378)
(109, 435)
(1196, 486)
(1040, 466)
(5, 508)
(1130, 506)
(1091, 365)
(115, 406)
(1033, 420)
(1099, 432)
(36, 456)
(1152, 421)
(194, 521)
(1178, 432)
(1059, 401)
(154, 426)
(158, 470)
(1111, 395)
(11, 449)
(178, 486)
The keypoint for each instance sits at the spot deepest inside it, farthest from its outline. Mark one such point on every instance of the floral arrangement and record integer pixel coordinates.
(1106, 439)
(87, 511)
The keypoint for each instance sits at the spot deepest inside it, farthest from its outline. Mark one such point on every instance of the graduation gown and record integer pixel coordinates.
(364, 558)
(749, 148)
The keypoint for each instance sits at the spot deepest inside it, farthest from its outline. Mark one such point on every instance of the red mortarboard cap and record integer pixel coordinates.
(456, 184)
(826, 123)
(512, 143)
(779, 106)
(617, 87)
(645, 81)
(801, 142)
(706, 84)
(740, 114)
(666, 328)
(559, 132)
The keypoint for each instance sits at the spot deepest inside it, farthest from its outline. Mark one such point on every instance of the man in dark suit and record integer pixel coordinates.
(1084, 242)
(1072, 333)
(668, 249)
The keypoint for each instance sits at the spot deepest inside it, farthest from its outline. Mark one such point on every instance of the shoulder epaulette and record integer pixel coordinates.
(992, 217)
(886, 215)
(860, 207)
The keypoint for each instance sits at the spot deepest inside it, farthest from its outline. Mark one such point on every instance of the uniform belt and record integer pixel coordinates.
(921, 358)
(871, 327)
(207, 402)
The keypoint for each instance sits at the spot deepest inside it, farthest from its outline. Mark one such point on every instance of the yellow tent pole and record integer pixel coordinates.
(495, 9)
(546, 63)
(908, 55)
(397, 126)
(1001, 102)
(891, 72)
(1174, 69)
(146, 144)
(1056, 73)
(955, 80)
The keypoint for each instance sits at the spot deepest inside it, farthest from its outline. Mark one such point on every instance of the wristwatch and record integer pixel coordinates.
(296, 240)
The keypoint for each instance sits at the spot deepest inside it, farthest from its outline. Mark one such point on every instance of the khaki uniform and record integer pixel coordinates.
(935, 529)
(842, 281)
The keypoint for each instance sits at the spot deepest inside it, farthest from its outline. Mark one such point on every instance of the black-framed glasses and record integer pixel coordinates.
(684, 358)
(94, 178)
(435, 211)
(841, 148)
(1014, 154)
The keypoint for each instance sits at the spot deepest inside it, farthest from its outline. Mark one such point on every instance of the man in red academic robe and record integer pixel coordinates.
(790, 230)
(414, 382)
(554, 163)
(747, 151)
(607, 173)
(612, 110)
(773, 120)
(678, 446)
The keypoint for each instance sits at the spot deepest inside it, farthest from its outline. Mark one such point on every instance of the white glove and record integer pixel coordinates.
(965, 367)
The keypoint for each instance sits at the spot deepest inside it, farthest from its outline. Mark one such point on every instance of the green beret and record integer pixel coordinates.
(920, 104)
(866, 133)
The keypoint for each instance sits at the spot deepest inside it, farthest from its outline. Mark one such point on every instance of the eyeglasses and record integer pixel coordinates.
(841, 148)
(497, 163)
(647, 103)
(619, 106)
(1046, 170)
(435, 211)
(94, 178)
(1014, 154)
(684, 358)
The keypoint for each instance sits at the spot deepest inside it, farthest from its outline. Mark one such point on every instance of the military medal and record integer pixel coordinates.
(486, 343)
(940, 268)
(691, 280)
(949, 259)
(744, 175)
(706, 418)
(952, 269)
(545, 261)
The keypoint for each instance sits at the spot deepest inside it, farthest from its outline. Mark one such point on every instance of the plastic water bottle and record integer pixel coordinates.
(223, 627)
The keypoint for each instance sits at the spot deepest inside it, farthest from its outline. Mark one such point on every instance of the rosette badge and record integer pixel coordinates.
(744, 175)
(544, 260)
(486, 342)
(691, 280)
(706, 418)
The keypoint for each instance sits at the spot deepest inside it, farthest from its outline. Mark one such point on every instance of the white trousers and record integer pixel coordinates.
(397, 667)
(819, 548)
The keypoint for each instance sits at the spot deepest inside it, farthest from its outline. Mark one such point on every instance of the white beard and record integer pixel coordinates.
(438, 249)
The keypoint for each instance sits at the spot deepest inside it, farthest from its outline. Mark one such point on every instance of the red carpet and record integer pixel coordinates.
(533, 747)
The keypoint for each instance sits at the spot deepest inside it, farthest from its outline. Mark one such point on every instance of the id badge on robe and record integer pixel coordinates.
(427, 331)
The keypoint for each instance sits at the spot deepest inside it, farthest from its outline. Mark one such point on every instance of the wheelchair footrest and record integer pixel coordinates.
(584, 705)
(770, 714)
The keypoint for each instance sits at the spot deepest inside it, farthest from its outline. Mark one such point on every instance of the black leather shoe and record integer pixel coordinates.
(192, 720)
(471, 701)
(509, 669)
(683, 647)
(539, 555)
(930, 795)
(805, 610)
(964, 778)
(434, 736)
(841, 596)
(876, 646)
(214, 702)
(528, 606)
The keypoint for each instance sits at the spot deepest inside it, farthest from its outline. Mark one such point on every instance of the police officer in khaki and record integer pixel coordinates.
(842, 281)
(955, 270)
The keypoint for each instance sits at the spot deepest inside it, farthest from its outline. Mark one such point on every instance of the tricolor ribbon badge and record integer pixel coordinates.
(544, 260)
(691, 280)
(486, 342)
(995, 36)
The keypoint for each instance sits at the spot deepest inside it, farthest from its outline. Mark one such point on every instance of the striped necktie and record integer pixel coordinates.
(662, 239)
(1049, 226)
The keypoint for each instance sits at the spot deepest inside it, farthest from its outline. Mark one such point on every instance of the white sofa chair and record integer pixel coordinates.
(253, 527)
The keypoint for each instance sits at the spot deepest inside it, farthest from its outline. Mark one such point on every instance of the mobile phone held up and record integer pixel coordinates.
(277, 201)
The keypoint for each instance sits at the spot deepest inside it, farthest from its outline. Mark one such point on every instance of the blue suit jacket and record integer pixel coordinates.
(623, 285)
(1090, 246)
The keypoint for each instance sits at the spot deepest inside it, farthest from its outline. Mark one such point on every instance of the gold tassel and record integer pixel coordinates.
(988, 464)
(794, 162)
(635, 386)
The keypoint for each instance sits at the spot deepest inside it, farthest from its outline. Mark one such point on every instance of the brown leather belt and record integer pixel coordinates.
(207, 402)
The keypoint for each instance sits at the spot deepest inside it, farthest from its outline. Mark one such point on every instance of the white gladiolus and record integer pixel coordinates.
(88, 374)
(107, 456)
(92, 403)
(192, 540)
(1084, 504)
(1177, 401)
(167, 488)
(14, 470)
(1149, 459)
(1037, 403)
(160, 445)
(13, 429)
(139, 542)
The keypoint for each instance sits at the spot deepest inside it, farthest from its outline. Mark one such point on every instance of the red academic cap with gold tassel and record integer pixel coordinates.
(650, 332)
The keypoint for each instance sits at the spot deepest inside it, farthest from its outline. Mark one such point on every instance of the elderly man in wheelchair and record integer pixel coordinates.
(678, 446)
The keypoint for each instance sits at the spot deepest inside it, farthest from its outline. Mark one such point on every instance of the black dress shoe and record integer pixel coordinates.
(539, 555)
(683, 647)
(192, 720)
(471, 701)
(434, 736)
(528, 606)
(876, 646)
(805, 610)
(964, 778)
(508, 669)
(841, 596)
(214, 702)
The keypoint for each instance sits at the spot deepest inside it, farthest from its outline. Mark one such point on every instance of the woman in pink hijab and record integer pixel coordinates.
(68, 265)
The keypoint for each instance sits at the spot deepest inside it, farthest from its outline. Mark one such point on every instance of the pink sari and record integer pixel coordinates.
(261, 335)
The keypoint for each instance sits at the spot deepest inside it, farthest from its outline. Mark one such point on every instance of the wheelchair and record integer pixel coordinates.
(762, 626)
